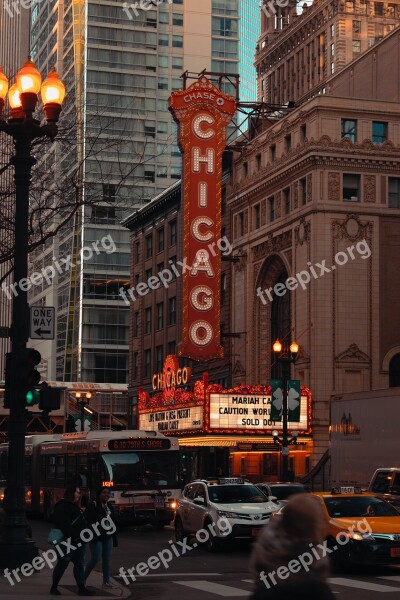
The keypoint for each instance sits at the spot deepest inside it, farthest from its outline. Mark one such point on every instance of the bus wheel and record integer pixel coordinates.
(47, 510)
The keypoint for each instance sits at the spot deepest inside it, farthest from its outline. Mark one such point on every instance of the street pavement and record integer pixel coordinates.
(195, 574)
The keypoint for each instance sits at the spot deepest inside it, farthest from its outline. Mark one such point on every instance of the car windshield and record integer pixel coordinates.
(357, 506)
(281, 492)
(235, 494)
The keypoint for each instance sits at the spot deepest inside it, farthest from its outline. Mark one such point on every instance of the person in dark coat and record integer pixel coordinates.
(279, 571)
(100, 512)
(70, 519)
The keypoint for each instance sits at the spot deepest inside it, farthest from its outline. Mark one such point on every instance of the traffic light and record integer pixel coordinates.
(28, 377)
(49, 398)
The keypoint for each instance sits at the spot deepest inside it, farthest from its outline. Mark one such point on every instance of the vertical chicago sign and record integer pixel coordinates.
(203, 113)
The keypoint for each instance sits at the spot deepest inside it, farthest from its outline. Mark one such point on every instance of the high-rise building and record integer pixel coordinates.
(249, 33)
(119, 63)
(297, 52)
(14, 47)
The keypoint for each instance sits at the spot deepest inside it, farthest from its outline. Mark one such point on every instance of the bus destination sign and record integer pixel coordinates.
(139, 444)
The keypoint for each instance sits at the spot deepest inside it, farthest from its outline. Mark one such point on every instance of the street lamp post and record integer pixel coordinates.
(83, 402)
(286, 356)
(16, 547)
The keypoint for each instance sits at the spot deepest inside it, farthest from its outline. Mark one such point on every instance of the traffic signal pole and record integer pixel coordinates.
(16, 547)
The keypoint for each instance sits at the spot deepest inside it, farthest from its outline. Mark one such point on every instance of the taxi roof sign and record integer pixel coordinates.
(348, 489)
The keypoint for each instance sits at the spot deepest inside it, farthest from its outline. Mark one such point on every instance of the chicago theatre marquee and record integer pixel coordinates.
(231, 423)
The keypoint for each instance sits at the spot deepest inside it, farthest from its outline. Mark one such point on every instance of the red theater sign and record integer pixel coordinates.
(203, 113)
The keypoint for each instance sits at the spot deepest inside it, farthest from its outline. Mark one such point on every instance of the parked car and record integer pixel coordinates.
(281, 490)
(240, 503)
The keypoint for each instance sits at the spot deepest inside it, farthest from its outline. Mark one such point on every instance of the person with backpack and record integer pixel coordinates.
(69, 518)
(100, 512)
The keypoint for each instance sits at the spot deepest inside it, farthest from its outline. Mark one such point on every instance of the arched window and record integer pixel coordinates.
(280, 322)
(394, 371)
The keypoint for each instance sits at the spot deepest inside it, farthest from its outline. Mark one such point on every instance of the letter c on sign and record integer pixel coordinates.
(203, 135)
(195, 227)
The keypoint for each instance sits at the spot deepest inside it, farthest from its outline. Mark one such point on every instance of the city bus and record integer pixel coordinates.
(139, 467)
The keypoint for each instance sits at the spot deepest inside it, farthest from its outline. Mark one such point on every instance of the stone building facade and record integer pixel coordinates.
(315, 207)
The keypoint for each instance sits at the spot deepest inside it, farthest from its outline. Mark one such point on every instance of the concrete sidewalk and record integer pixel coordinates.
(39, 585)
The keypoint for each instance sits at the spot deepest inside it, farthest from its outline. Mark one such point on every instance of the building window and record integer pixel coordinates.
(303, 133)
(147, 363)
(137, 252)
(136, 366)
(257, 216)
(286, 193)
(362, 7)
(148, 274)
(245, 169)
(258, 162)
(149, 246)
(394, 371)
(241, 223)
(177, 19)
(160, 315)
(136, 280)
(303, 191)
(172, 233)
(332, 31)
(147, 320)
(351, 187)
(160, 235)
(163, 39)
(272, 153)
(109, 192)
(136, 324)
(379, 132)
(172, 311)
(394, 192)
(172, 262)
(379, 9)
(159, 359)
(349, 129)
(332, 68)
(356, 46)
(171, 347)
(356, 26)
(390, 11)
(350, 6)
(288, 142)
(332, 49)
(271, 206)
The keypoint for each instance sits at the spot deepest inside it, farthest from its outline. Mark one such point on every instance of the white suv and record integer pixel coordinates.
(204, 505)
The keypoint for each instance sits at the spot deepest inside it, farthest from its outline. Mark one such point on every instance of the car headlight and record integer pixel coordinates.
(359, 537)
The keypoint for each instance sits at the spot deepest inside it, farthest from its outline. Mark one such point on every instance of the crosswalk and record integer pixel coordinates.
(242, 588)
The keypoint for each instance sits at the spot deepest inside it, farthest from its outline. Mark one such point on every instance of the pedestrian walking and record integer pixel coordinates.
(278, 569)
(69, 518)
(100, 511)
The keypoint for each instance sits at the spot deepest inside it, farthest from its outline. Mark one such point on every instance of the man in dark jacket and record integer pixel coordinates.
(99, 514)
(70, 519)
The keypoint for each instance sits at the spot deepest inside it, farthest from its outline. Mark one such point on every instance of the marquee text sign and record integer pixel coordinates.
(203, 113)
(250, 412)
(172, 420)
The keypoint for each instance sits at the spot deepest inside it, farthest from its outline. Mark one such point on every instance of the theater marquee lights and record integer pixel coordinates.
(203, 113)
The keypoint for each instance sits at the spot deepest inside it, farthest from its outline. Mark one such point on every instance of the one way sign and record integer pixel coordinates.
(42, 322)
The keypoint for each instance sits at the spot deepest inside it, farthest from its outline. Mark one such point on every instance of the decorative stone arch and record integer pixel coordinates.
(275, 268)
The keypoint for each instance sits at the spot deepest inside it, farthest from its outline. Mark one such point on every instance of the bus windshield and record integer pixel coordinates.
(140, 470)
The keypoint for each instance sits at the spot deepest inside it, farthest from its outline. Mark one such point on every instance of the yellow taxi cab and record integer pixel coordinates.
(362, 527)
